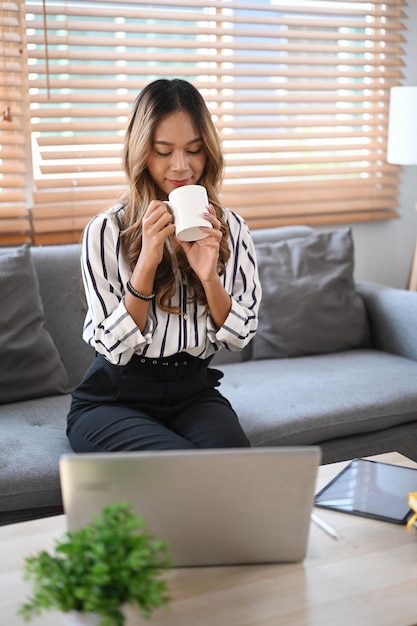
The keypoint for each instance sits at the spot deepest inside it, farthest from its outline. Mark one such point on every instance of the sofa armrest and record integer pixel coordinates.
(392, 317)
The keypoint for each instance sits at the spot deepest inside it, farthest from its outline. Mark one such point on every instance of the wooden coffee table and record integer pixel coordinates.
(368, 577)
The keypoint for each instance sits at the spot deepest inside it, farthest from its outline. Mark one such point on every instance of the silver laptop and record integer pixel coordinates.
(214, 507)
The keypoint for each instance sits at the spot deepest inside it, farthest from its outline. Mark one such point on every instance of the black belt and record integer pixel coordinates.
(175, 361)
(175, 367)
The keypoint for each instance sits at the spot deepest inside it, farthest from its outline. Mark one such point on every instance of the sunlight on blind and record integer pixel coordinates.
(298, 89)
(14, 217)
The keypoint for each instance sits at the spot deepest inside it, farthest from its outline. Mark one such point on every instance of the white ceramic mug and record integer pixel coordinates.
(188, 204)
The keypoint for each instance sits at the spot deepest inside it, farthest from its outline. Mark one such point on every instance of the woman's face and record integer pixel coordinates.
(178, 156)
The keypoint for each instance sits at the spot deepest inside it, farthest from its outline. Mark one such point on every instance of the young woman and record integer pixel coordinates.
(160, 308)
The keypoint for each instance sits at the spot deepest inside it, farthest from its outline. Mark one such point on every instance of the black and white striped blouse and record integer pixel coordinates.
(111, 331)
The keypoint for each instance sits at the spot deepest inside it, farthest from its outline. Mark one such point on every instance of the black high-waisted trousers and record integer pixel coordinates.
(152, 404)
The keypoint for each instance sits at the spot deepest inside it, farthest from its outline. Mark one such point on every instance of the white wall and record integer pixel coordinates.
(384, 250)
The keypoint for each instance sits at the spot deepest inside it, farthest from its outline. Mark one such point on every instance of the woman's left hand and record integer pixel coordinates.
(203, 254)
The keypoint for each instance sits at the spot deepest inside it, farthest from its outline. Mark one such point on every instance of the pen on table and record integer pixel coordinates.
(324, 526)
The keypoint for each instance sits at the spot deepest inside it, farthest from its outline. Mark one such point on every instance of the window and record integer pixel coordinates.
(298, 89)
(15, 166)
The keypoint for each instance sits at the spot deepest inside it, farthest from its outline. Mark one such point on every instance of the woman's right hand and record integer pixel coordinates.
(157, 226)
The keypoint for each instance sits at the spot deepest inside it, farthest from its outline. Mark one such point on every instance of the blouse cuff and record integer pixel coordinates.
(126, 331)
(232, 327)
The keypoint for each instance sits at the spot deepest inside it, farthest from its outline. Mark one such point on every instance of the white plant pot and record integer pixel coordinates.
(132, 614)
(81, 619)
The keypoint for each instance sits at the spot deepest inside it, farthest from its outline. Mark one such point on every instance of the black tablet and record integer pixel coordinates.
(370, 489)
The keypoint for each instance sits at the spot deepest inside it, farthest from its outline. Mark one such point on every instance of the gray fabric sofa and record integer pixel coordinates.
(334, 362)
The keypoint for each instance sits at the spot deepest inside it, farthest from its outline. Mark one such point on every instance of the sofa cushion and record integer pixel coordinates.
(60, 285)
(32, 441)
(309, 303)
(311, 399)
(30, 364)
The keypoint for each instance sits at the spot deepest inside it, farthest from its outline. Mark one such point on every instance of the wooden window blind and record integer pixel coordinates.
(15, 224)
(298, 90)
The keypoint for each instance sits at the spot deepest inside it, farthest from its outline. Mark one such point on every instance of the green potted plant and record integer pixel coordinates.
(100, 570)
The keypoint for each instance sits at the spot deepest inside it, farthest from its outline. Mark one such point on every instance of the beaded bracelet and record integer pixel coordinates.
(137, 294)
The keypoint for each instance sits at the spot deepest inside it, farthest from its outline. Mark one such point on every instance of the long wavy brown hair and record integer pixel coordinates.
(160, 98)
